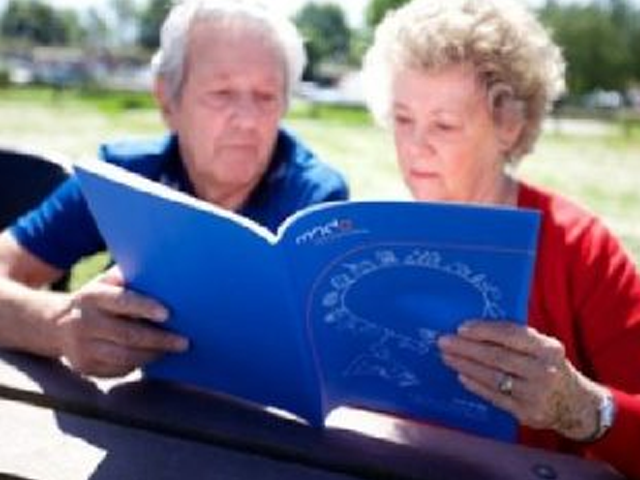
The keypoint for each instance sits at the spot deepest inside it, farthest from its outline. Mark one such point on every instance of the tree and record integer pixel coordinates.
(151, 19)
(377, 9)
(72, 26)
(374, 13)
(98, 34)
(127, 21)
(594, 42)
(37, 23)
(326, 34)
(634, 42)
(627, 19)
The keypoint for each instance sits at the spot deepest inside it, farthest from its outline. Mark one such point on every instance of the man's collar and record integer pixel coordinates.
(176, 175)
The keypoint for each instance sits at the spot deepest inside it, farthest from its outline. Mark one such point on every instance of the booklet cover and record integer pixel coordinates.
(343, 306)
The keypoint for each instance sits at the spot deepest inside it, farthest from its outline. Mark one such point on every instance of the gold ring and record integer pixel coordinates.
(505, 385)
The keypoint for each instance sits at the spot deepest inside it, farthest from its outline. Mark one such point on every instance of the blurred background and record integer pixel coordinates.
(76, 73)
(107, 43)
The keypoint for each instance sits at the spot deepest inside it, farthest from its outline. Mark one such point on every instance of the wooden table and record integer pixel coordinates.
(56, 425)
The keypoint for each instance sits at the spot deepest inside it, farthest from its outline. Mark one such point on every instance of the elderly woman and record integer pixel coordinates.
(464, 85)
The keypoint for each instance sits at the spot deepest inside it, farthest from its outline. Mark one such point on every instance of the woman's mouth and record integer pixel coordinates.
(423, 174)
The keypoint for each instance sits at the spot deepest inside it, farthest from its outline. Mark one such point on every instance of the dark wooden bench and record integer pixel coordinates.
(27, 177)
(55, 424)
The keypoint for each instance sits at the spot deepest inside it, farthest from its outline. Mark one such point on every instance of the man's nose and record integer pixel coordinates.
(246, 109)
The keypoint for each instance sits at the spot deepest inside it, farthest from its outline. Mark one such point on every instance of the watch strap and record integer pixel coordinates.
(606, 415)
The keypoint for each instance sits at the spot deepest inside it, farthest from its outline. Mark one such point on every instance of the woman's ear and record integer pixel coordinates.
(165, 102)
(510, 121)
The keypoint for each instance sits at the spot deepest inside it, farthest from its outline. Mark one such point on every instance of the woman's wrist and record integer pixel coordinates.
(592, 408)
(605, 416)
(586, 409)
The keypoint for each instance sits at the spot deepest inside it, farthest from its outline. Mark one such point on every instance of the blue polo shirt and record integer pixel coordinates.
(61, 230)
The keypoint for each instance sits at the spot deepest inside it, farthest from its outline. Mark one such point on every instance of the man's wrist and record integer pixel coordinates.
(57, 307)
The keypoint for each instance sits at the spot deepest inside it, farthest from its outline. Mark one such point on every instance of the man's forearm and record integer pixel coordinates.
(28, 318)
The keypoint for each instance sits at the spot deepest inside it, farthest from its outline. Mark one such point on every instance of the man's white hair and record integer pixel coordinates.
(242, 15)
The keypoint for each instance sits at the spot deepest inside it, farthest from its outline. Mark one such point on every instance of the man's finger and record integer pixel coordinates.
(108, 359)
(118, 301)
(136, 334)
(113, 276)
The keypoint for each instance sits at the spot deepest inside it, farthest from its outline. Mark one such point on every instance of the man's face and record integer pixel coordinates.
(228, 113)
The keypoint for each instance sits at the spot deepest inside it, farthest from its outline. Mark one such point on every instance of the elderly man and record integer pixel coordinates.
(224, 74)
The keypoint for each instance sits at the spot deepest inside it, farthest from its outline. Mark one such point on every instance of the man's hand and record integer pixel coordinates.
(108, 330)
(526, 373)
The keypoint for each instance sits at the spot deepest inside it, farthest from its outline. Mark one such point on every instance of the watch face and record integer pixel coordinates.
(607, 413)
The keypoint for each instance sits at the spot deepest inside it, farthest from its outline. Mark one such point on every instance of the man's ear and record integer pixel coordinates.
(165, 102)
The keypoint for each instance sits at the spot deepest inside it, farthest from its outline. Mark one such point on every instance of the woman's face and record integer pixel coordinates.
(447, 143)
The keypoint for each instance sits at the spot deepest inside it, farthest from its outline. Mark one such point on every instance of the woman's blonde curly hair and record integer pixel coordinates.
(510, 50)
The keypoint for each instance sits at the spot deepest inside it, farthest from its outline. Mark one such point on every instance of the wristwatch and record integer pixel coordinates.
(606, 416)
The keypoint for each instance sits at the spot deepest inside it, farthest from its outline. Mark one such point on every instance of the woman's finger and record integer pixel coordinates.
(490, 355)
(491, 378)
(516, 337)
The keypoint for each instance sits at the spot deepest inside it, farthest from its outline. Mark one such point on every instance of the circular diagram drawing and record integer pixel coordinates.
(376, 312)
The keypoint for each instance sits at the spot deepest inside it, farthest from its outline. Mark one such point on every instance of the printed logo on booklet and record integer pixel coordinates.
(332, 230)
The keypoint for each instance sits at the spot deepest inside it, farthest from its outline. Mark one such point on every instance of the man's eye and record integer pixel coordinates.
(446, 127)
(218, 93)
(266, 97)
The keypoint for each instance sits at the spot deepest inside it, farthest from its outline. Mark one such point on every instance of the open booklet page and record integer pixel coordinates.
(224, 284)
(378, 282)
(345, 308)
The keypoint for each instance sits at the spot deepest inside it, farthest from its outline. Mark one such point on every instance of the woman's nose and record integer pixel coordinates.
(421, 138)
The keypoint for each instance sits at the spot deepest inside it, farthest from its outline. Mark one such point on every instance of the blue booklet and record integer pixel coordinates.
(342, 307)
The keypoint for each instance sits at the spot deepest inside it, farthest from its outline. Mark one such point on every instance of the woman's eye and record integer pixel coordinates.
(222, 93)
(402, 120)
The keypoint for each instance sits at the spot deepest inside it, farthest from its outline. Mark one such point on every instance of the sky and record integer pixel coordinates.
(353, 8)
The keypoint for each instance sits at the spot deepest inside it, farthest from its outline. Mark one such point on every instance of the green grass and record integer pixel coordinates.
(600, 171)
(90, 97)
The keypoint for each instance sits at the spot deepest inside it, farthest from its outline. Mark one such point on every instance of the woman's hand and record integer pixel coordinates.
(526, 373)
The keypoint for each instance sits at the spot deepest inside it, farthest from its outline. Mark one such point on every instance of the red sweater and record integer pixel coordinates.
(586, 293)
